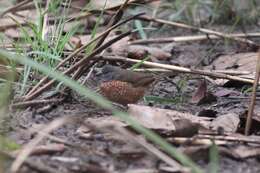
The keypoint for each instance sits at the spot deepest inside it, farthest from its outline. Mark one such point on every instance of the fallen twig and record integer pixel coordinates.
(44, 149)
(241, 98)
(181, 69)
(35, 102)
(189, 38)
(230, 72)
(241, 138)
(253, 98)
(204, 30)
(15, 7)
(220, 140)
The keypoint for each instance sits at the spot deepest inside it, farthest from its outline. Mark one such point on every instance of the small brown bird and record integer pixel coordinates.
(124, 86)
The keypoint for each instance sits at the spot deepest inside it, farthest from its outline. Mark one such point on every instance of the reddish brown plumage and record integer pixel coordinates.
(121, 92)
(124, 86)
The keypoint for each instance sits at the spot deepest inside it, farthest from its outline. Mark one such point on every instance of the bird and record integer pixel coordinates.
(124, 86)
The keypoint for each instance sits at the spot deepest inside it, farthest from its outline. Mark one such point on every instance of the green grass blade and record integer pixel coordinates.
(135, 66)
(140, 29)
(214, 158)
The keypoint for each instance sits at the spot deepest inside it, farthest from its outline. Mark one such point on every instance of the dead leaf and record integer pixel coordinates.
(158, 53)
(87, 129)
(228, 123)
(140, 52)
(202, 96)
(239, 62)
(84, 39)
(109, 4)
(136, 52)
(168, 120)
(226, 92)
(118, 48)
(76, 42)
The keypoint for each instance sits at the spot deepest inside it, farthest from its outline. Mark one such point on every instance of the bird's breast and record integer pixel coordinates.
(121, 92)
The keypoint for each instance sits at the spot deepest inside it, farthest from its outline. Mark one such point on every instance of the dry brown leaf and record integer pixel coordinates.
(164, 119)
(226, 92)
(202, 96)
(136, 52)
(140, 52)
(76, 42)
(158, 53)
(85, 131)
(118, 48)
(109, 3)
(84, 39)
(228, 123)
(239, 62)
(123, 48)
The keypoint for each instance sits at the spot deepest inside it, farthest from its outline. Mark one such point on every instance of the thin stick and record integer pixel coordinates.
(181, 69)
(241, 139)
(15, 7)
(45, 27)
(204, 30)
(190, 38)
(253, 98)
(35, 102)
(230, 72)
(241, 98)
